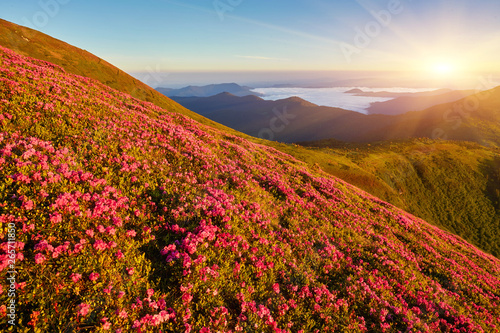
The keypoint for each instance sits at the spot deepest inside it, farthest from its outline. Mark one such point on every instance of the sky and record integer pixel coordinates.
(437, 37)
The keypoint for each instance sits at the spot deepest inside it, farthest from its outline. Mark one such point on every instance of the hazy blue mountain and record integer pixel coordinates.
(392, 94)
(209, 90)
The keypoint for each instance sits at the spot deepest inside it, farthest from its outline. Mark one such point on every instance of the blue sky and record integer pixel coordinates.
(236, 35)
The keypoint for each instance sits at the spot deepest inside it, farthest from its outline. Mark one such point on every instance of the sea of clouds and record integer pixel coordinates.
(334, 97)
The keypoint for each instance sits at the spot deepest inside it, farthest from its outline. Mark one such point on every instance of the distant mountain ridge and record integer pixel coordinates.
(254, 115)
(392, 94)
(310, 122)
(208, 90)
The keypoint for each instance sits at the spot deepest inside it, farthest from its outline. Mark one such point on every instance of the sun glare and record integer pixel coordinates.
(443, 68)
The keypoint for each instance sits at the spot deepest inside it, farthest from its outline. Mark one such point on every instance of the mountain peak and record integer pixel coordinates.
(297, 100)
(354, 91)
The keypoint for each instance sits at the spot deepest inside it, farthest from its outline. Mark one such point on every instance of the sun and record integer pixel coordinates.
(443, 68)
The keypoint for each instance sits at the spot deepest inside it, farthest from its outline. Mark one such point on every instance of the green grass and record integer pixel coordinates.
(455, 185)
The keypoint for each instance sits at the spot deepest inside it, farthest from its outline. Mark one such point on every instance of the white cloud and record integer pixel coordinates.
(334, 97)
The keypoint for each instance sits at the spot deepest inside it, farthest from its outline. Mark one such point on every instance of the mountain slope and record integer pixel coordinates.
(35, 44)
(74, 60)
(132, 218)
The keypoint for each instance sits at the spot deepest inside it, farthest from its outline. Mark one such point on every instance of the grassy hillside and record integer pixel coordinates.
(344, 164)
(127, 217)
(455, 185)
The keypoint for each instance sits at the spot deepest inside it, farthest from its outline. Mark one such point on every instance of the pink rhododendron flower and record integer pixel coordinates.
(39, 258)
(84, 309)
(78, 248)
(106, 325)
(75, 277)
(93, 276)
(55, 218)
(28, 205)
(122, 313)
(100, 245)
(117, 222)
(186, 297)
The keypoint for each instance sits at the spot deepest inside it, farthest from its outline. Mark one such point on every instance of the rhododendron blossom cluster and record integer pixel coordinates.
(130, 218)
